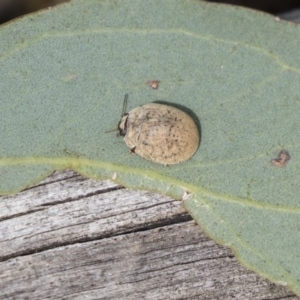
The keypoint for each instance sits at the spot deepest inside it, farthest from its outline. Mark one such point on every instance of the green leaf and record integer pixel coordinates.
(66, 70)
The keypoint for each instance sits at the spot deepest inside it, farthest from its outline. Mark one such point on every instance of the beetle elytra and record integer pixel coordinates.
(160, 133)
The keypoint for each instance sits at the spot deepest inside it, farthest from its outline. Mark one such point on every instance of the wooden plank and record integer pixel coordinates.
(74, 238)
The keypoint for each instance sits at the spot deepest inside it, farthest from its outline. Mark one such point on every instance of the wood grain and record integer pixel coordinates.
(74, 238)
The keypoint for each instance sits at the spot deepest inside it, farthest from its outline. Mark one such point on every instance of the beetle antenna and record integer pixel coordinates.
(124, 105)
(116, 129)
(123, 113)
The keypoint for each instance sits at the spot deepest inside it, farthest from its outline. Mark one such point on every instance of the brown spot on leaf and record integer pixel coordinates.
(282, 159)
(153, 84)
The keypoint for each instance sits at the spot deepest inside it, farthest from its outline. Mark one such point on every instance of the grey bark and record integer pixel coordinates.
(75, 238)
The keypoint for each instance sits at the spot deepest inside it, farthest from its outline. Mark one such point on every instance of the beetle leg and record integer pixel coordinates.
(132, 150)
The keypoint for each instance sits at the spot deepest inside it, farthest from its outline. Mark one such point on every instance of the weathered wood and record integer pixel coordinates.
(74, 238)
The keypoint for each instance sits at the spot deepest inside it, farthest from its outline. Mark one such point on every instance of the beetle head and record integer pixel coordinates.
(122, 126)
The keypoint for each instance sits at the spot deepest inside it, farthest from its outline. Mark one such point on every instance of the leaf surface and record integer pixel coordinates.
(66, 70)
